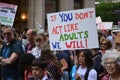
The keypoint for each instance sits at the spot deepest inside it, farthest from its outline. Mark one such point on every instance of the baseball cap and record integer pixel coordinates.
(116, 29)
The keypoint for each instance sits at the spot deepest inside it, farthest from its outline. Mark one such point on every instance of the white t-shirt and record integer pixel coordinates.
(45, 78)
(91, 76)
(36, 51)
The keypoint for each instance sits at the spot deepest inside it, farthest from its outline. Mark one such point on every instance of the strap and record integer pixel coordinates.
(50, 75)
(96, 57)
(87, 73)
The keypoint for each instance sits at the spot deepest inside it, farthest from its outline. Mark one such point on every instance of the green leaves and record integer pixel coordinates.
(107, 11)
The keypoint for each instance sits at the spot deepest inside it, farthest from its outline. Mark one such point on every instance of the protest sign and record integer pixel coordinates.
(98, 19)
(74, 29)
(39, 27)
(105, 25)
(7, 14)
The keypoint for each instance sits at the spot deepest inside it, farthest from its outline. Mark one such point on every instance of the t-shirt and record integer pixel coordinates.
(12, 70)
(45, 78)
(36, 51)
(28, 75)
(63, 55)
(29, 47)
(73, 72)
(91, 76)
(106, 77)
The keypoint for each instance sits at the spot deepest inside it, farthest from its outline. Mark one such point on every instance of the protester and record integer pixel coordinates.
(24, 38)
(26, 63)
(111, 62)
(109, 35)
(101, 39)
(31, 38)
(115, 33)
(97, 58)
(10, 54)
(85, 70)
(63, 58)
(116, 37)
(74, 68)
(53, 66)
(117, 44)
(36, 51)
(105, 45)
(39, 70)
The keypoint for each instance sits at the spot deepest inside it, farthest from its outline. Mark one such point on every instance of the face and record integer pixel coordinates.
(29, 35)
(39, 41)
(37, 72)
(93, 51)
(111, 66)
(104, 45)
(117, 46)
(8, 34)
(81, 58)
(115, 34)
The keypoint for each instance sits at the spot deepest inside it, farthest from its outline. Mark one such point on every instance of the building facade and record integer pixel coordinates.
(31, 12)
(39, 8)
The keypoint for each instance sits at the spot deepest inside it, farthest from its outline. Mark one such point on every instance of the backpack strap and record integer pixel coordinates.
(96, 57)
(50, 75)
(87, 73)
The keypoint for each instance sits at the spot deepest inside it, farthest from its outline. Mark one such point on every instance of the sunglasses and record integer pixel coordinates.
(7, 33)
(114, 33)
(103, 43)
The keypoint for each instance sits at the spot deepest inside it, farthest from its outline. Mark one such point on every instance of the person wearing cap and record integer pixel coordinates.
(116, 37)
(115, 32)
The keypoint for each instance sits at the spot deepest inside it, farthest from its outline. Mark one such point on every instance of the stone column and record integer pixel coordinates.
(36, 12)
(30, 14)
(65, 5)
(88, 3)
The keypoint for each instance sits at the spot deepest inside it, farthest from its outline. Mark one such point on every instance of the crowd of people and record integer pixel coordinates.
(27, 56)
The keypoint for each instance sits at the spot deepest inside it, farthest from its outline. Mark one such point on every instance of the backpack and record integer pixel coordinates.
(87, 73)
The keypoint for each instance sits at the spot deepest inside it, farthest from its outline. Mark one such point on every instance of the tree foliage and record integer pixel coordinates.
(99, 0)
(107, 12)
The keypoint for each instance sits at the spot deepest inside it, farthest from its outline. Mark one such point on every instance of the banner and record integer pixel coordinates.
(74, 29)
(7, 14)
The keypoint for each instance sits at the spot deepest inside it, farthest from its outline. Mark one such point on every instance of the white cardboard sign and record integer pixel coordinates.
(7, 14)
(74, 29)
(105, 25)
(98, 19)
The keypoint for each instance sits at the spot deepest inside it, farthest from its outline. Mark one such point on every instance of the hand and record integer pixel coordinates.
(1, 58)
(77, 77)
